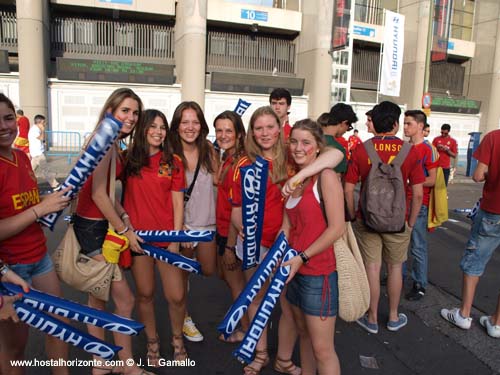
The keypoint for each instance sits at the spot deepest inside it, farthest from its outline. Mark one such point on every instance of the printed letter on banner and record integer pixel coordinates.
(392, 61)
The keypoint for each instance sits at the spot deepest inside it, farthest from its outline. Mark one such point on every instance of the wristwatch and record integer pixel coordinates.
(4, 269)
(304, 257)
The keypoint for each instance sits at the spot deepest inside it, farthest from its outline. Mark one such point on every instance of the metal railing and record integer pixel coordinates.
(128, 40)
(365, 68)
(8, 30)
(372, 11)
(237, 52)
(63, 143)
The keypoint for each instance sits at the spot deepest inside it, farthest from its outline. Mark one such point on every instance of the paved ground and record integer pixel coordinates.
(428, 345)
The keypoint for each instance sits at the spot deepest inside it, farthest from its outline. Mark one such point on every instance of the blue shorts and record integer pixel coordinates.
(306, 292)
(483, 241)
(30, 270)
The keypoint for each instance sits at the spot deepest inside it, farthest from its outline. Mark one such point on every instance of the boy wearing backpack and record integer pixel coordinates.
(385, 165)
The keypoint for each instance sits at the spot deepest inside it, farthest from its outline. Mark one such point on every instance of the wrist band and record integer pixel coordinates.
(232, 248)
(4, 269)
(36, 214)
(304, 257)
(124, 215)
(123, 231)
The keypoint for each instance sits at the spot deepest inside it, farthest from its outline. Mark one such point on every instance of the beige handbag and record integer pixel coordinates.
(80, 271)
(354, 290)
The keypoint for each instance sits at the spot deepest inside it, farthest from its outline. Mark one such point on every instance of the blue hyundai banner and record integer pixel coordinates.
(176, 235)
(184, 263)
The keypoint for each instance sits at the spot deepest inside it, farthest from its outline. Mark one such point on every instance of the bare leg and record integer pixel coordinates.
(468, 290)
(13, 339)
(322, 334)
(373, 273)
(307, 361)
(495, 318)
(394, 286)
(206, 254)
(287, 329)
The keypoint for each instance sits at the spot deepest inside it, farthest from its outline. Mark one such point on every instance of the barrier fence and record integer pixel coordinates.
(63, 143)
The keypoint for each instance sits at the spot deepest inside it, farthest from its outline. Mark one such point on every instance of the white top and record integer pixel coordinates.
(35, 144)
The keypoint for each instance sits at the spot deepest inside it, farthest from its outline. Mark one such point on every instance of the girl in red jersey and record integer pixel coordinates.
(154, 200)
(188, 135)
(22, 242)
(230, 135)
(312, 285)
(95, 212)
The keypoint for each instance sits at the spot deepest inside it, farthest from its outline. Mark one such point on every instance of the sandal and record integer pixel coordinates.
(286, 366)
(261, 358)
(153, 355)
(235, 337)
(180, 353)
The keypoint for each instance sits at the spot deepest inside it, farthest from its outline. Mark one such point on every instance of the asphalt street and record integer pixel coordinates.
(428, 345)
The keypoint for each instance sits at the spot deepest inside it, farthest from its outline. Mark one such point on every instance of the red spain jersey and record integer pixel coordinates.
(148, 196)
(273, 209)
(444, 158)
(224, 206)
(86, 206)
(488, 153)
(429, 159)
(387, 149)
(19, 192)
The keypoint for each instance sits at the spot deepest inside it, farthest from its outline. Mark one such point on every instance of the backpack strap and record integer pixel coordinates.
(321, 201)
(372, 153)
(405, 149)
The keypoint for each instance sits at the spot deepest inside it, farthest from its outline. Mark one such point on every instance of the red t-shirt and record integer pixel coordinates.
(19, 192)
(307, 223)
(224, 206)
(387, 149)
(444, 158)
(353, 142)
(21, 142)
(344, 144)
(86, 206)
(488, 153)
(429, 158)
(273, 209)
(287, 129)
(148, 196)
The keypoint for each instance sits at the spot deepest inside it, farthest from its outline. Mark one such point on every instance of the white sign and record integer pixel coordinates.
(392, 62)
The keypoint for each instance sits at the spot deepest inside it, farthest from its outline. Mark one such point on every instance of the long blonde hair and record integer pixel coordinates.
(279, 172)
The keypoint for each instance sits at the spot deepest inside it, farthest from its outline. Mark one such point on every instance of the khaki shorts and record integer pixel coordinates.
(391, 247)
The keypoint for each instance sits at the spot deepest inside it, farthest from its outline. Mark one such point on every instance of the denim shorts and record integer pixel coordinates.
(30, 270)
(90, 234)
(315, 295)
(483, 241)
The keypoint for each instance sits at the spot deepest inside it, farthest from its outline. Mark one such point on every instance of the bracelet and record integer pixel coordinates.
(1, 301)
(124, 216)
(4, 269)
(304, 257)
(232, 248)
(121, 233)
(36, 214)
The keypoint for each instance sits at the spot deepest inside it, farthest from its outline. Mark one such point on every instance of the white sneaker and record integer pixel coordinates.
(454, 317)
(493, 330)
(190, 331)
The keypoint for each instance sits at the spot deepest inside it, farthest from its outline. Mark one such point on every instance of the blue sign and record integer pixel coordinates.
(364, 31)
(124, 2)
(254, 15)
(451, 45)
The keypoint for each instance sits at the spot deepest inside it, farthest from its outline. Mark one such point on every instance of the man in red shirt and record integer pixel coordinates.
(23, 126)
(375, 246)
(413, 128)
(447, 148)
(484, 238)
(354, 141)
(280, 100)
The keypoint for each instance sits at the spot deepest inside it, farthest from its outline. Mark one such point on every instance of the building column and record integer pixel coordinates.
(190, 49)
(491, 117)
(314, 61)
(33, 52)
(415, 52)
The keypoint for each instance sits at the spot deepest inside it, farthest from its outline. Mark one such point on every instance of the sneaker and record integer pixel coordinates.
(454, 317)
(394, 326)
(369, 327)
(493, 330)
(416, 293)
(190, 331)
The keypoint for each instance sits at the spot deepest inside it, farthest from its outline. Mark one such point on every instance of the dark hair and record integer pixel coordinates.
(8, 102)
(341, 112)
(137, 155)
(369, 113)
(446, 127)
(38, 119)
(204, 148)
(239, 130)
(355, 131)
(279, 93)
(312, 127)
(418, 115)
(324, 119)
(20, 112)
(426, 125)
(384, 116)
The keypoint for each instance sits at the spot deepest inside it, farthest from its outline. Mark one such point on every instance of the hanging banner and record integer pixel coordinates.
(441, 29)
(340, 24)
(392, 61)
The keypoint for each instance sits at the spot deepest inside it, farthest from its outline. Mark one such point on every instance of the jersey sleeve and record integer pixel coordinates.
(416, 172)
(235, 190)
(178, 176)
(484, 150)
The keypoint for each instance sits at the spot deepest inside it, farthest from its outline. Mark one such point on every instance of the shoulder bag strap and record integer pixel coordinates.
(112, 178)
(187, 195)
